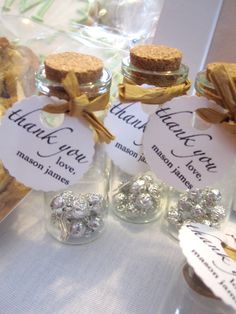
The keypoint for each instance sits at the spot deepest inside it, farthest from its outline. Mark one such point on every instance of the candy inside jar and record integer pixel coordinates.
(140, 199)
(76, 217)
(204, 206)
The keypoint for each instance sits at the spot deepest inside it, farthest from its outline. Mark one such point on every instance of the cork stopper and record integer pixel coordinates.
(156, 57)
(87, 68)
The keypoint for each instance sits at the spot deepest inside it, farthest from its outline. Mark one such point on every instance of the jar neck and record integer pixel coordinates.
(91, 89)
(160, 79)
(202, 84)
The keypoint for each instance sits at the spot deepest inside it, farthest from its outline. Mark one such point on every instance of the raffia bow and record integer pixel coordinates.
(155, 95)
(81, 107)
(224, 94)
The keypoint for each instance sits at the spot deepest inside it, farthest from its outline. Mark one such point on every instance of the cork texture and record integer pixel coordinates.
(87, 68)
(156, 57)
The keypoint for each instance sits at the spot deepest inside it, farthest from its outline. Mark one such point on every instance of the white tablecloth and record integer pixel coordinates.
(125, 271)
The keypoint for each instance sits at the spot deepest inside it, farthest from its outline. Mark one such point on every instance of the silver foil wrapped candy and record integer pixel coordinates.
(138, 199)
(77, 215)
(199, 205)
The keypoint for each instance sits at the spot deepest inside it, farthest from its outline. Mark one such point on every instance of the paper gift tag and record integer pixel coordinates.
(128, 122)
(210, 253)
(43, 157)
(181, 153)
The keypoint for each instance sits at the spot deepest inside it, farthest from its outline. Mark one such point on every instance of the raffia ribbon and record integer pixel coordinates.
(81, 107)
(156, 95)
(225, 95)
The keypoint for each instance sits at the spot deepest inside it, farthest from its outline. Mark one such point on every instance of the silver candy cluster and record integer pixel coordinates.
(139, 197)
(200, 205)
(77, 216)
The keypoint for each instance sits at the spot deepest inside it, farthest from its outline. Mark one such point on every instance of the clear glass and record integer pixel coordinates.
(159, 79)
(86, 221)
(212, 205)
(136, 199)
(119, 14)
(202, 83)
(142, 198)
(77, 215)
(188, 295)
(91, 89)
(126, 16)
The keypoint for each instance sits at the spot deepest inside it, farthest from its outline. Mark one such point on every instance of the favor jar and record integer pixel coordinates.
(212, 204)
(77, 215)
(154, 74)
(188, 294)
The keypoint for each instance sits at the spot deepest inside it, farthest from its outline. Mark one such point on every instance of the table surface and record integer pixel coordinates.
(125, 271)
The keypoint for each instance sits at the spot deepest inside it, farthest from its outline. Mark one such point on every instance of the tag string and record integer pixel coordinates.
(81, 107)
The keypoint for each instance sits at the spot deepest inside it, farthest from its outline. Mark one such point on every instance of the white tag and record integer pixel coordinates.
(127, 121)
(44, 158)
(181, 155)
(202, 247)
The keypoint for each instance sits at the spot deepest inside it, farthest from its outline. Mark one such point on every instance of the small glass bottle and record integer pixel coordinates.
(142, 198)
(76, 215)
(189, 295)
(211, 205)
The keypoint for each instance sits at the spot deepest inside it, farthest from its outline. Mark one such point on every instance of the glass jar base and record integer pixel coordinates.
(73, 239)
(137, 199)
(75, 218)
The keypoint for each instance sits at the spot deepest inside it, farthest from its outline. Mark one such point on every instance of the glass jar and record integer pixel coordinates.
(142, 198)
(189, 295)
(211, 205)
(76, 215)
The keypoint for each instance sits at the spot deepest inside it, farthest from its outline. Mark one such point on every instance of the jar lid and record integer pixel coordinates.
(87, 68)
(156, 57)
